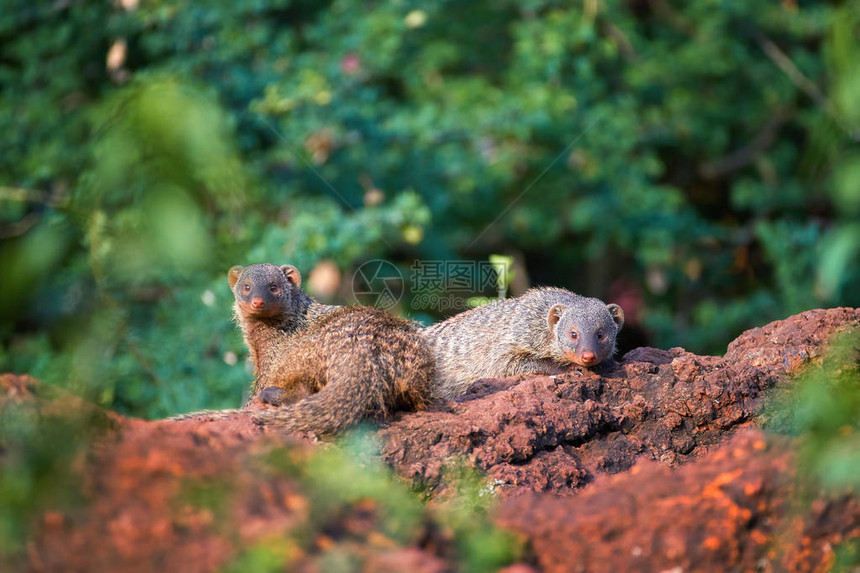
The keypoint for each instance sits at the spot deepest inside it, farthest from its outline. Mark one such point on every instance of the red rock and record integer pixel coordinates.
(664, 405)
(730, 510)
(648, 464)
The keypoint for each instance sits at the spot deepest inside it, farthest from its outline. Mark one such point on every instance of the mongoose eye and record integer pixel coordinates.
(247, 287)
(600, 335)
(573, 335)
(273, 288)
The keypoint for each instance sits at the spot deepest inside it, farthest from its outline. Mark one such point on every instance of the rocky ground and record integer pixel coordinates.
(654, 463)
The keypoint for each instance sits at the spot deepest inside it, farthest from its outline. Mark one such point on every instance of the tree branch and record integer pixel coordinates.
(745, 155)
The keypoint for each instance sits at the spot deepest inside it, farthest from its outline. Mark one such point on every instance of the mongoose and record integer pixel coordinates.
(270, 299)
(332, 366)
(541, 332)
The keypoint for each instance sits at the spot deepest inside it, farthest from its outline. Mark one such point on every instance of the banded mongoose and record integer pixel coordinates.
(541, 332)
(331, 366)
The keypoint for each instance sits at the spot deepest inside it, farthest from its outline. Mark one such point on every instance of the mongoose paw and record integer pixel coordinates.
(272, 395)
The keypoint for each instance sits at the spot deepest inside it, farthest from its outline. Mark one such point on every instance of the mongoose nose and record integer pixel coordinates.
(257, 302)
(588, 357)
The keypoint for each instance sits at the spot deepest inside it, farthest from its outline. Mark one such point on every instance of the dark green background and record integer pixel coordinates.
(696, 160)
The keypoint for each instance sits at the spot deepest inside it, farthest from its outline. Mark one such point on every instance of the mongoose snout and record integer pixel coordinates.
(587, 358)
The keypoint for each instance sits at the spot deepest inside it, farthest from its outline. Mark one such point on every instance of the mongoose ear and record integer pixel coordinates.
(554, 315)
(233, 275)
(292, 274)
(617, 315)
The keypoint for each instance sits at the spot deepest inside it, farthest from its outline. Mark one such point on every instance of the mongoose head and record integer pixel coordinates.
(585, 333)
(265, 291)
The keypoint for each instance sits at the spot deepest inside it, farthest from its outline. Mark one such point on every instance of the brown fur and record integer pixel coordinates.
(530, 334)
(333, 366)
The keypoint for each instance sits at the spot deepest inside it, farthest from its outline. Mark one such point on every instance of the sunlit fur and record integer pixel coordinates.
(331, 366)
(529, 334)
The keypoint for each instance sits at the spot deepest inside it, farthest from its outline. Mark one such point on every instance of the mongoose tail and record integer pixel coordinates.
(340, 404)
(206, 415)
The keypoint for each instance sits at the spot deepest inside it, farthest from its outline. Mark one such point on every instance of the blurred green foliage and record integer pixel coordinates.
(42, 455)
(703, 154)
(823, 409)
(465, 517)
(349, 476)
(47, 457)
